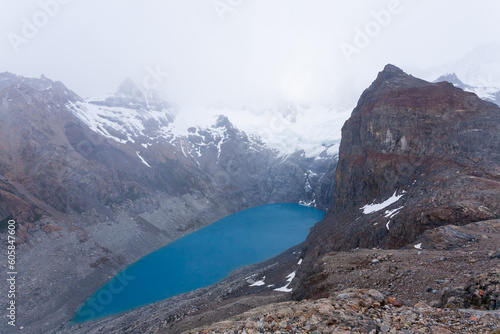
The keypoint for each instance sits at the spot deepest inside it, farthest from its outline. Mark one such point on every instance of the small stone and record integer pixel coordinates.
(440, 331)
(495, 254)
(394, 302)
(250, 324)
(375, 261)
(421, 304)
(343, 296)
(379, 297)
(385, 329)
(435, 303)
(366, 301)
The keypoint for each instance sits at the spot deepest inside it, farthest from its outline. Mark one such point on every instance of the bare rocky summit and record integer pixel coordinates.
(432, 146)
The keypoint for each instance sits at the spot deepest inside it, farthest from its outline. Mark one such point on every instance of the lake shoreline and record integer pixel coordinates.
(231, 296)
(202, 258)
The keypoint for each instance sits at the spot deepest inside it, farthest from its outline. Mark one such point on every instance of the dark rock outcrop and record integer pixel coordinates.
(427, 153)
(251, 172)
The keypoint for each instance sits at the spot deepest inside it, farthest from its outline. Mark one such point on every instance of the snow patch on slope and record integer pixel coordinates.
(285, 288)
(370, 208)
(142, 159)
(392, 213)
(123, 124)
(260, 282)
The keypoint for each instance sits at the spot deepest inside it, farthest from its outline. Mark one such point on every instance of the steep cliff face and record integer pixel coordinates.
(414, 155)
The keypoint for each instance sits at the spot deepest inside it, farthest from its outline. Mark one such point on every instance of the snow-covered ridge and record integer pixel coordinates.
(124, 124)
(488, 90)
(120, 124)
(131, 115)
(288, 129)
(477, 71)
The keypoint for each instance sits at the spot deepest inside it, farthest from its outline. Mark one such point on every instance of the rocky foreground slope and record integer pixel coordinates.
(452, 288)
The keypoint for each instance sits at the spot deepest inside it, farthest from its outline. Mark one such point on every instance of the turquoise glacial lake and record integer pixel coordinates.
(203, 258)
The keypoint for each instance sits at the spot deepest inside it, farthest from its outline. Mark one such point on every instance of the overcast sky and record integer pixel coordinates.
(238, 52)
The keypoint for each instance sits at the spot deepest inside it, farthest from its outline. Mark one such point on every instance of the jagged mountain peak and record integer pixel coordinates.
(390, 68)
(392, 77)
(223, 122)
(130, 95)
(488, 91)
(7, 76)
(451, 78)
(47, 89)
(129, 88)
(393, 74)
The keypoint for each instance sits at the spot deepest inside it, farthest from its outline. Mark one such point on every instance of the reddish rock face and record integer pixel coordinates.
(434, 144)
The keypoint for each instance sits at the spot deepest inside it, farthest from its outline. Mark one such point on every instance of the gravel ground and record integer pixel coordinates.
(356, 311)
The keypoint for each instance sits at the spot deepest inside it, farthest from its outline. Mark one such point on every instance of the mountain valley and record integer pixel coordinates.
(98, 183)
